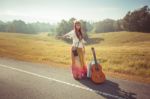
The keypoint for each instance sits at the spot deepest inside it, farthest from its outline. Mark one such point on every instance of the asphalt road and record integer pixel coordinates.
(24, 80)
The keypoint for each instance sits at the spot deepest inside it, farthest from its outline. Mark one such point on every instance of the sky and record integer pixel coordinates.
(53, 11)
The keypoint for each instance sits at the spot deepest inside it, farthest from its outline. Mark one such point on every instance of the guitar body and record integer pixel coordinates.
(97, 75)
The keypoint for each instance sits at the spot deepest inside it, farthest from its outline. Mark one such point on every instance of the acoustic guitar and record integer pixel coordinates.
(97, 76)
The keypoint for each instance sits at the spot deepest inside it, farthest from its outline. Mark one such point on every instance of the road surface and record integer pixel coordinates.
(24, 80)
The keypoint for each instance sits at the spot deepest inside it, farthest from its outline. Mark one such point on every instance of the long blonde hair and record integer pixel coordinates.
(78, 32)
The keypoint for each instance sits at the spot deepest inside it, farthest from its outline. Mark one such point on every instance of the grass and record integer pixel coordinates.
(122, 54)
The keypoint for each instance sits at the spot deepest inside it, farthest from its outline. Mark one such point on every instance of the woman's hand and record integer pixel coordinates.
(59, 37)
(64, 36)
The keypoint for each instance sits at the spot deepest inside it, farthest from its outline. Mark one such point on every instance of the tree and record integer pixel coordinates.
(66, 26)
(138, 20)
(106, 25)
(2, 26)
(20, 26)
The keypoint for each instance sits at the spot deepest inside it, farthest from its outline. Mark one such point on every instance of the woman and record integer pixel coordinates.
(79, 68)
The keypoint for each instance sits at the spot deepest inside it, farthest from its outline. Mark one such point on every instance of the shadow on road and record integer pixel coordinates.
(109, 89)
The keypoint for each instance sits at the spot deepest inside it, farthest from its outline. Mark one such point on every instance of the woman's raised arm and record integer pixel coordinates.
(68, 35)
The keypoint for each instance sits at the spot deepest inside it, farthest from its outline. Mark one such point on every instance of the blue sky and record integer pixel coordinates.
(55, 10)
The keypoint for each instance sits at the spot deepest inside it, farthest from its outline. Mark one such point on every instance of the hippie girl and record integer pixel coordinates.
(79, 67)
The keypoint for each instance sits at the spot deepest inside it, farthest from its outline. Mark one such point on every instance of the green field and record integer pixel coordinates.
(122, 53)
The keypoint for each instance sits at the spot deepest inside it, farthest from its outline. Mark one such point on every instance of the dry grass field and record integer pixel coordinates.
(122, 54)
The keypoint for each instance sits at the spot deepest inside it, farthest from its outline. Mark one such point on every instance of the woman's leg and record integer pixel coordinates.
(82, 62)
(75, 67)
(79, 68)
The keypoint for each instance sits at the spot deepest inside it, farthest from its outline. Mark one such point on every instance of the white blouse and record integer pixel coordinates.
(72, 35)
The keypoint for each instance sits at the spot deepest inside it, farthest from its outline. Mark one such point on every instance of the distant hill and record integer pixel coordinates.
(121, 38)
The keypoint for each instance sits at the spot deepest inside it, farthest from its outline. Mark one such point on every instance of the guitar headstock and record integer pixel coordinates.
(92, 48)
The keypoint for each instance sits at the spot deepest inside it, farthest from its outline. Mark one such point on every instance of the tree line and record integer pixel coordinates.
(137, 20)
(19, 26)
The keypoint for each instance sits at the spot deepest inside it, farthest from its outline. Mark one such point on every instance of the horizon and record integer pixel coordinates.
(51, 11)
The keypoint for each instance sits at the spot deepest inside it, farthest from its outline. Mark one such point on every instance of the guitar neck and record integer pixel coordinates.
(94, 55)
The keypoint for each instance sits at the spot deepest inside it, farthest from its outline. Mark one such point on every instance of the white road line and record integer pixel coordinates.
(52, 79)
